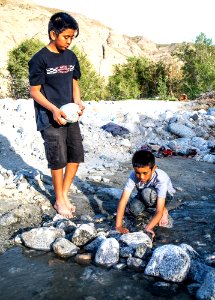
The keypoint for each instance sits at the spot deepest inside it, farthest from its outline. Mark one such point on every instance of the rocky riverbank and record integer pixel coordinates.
(112, 131)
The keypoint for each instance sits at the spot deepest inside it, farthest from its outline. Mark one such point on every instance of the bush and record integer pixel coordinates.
(91, 84)
(18, 67)
(198, 66)
(142, 78)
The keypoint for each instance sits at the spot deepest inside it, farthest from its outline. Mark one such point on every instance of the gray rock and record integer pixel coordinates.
(41, 238)
(126, 251)
(180, 145)
(83, 234)
(199, 143)
(207, 289)
(210, 158)
(142, 251)
(198, 271)
(135, 239)
(64, 248)
(108, 253)
(135, 263)
(181, 130)
(94, 245)
(169, 262)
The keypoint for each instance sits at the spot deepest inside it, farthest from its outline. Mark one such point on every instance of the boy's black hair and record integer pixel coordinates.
(143, 158)
(62, 21)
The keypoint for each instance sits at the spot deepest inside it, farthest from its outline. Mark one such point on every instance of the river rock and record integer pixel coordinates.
(108, 253)
(64, 248)
(135, 263)
(41, 238)
(135, 239)
(94, 245)
(198, 271)
(169, 262)
(83, 234)
(126, 251)
(207, 289)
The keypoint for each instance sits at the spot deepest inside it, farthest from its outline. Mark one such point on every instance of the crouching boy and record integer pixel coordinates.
(153, 185)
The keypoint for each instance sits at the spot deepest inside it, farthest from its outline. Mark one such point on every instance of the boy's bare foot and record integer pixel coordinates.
(164, 219)
(70, 206)
(63, 210)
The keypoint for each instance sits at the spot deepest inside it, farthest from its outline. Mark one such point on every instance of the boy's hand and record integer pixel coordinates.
(122, 230)
(150, 231)
(82, 108)
(59, 116)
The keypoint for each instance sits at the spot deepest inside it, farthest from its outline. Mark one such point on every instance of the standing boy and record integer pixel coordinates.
(152, 185)
(53, 74)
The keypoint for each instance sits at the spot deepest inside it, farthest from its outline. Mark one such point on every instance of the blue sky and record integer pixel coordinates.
(162, 21)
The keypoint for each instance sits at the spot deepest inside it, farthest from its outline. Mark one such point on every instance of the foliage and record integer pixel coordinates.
(141, 78)
(162, 87)
(198, 66)
(18, 66)
(123, 84)
(92, 86)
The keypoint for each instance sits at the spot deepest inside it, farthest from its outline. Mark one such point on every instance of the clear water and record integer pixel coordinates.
(27, 274)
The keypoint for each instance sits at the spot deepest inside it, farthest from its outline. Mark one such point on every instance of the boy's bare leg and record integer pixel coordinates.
(164, 219)
(60, 204)
(69, 175)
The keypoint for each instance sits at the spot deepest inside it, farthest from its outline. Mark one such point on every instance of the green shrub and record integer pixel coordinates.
(91, 84)
(198, 66)
(18, 67)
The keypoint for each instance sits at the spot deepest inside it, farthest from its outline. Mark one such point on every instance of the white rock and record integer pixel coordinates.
(71, 110)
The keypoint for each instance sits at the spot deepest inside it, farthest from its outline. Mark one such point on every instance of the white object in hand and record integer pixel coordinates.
(71, 111)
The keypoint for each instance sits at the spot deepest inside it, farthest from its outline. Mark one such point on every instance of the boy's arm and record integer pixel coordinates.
(121, 210)
(77, 96)
(39, 98)
(157, 217)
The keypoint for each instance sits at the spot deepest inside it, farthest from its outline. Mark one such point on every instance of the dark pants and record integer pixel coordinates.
(146, 198)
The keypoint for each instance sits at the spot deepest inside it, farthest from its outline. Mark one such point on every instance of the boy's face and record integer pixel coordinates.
(61, 42)
(144, 174)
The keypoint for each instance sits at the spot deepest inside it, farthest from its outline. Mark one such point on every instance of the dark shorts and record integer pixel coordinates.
(63, 144)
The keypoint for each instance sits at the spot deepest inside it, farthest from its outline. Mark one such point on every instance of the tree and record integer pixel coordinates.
(198, 66)
(18, 66)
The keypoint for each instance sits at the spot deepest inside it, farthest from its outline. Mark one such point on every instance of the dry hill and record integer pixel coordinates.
(24, 19)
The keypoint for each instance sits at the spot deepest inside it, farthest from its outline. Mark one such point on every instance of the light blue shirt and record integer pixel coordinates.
(160, 181)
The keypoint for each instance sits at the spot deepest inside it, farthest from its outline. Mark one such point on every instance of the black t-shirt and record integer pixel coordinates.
(54, 72)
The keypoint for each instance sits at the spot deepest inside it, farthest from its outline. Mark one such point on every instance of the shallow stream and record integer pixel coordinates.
(27, 274)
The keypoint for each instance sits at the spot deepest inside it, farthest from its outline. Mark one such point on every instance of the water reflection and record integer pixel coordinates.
(27, 274)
